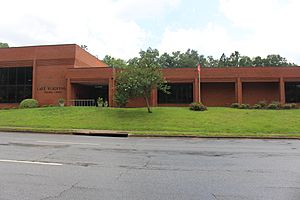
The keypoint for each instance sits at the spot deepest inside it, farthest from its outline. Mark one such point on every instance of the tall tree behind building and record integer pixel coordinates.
(3, 45)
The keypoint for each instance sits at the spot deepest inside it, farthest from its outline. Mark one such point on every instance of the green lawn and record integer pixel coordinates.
(163, 120)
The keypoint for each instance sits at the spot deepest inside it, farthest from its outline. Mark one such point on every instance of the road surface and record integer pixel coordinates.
(61, 167)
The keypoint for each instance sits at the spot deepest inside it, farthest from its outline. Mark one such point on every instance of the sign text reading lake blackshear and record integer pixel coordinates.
(50, 89)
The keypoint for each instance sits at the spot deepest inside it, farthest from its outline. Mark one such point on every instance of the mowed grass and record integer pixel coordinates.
(163, 120)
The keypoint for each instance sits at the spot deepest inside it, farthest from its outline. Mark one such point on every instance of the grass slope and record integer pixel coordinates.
(163, 120)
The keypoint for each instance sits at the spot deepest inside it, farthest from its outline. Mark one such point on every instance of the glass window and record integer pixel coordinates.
(292, 92)
(15, 84)
(28, 80)
(12, 76)
(180, 93)
(3, 94)
(21, 76)
(3, 76)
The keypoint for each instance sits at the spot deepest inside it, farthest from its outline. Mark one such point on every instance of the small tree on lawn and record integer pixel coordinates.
(140, 79)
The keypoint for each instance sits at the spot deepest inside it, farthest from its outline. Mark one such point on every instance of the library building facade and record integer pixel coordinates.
(49, 73)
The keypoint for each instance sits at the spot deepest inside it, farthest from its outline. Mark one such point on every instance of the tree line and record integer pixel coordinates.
(3, 45)
(191, 58)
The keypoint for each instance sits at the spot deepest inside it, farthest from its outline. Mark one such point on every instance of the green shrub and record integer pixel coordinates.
(257, 106)
(105, 104)
(274, 105)
(100, 102)
(235, 105)
(61, 102)
(196, 106)
(287, 106)
(263, 103)
(121, 99)
(29, 103)
(244, 106)
(294, 105)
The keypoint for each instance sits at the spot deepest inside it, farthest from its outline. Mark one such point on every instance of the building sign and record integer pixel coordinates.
(51, 89)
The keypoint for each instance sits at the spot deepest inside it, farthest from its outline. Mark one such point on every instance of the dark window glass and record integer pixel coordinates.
(20, 93)
(292, 92)
(21, 76)
(12, 76)
(11, 93)
(180, 93)
(15, 84)
(27, 92)
(28, 79)
(3, 76)
(3, 94)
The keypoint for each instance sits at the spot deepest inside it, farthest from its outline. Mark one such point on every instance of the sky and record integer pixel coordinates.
(121, 28)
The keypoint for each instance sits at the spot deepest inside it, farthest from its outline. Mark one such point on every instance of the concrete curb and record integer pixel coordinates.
(215, 137)
(108, 133)
(111, 133)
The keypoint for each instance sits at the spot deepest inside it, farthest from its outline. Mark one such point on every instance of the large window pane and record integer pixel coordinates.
(27, 92)
(21, 76)
(28, 80)
(15, 84)
(3, 94)
(11, 94)
(180, 93)
(292, 92)
(3, 76)
(12, 76)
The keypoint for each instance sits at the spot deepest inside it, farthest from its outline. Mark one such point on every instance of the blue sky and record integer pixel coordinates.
(122, 27)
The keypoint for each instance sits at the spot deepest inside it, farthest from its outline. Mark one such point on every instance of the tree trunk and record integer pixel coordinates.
(148, 105)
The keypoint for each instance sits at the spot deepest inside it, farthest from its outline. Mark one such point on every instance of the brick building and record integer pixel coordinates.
(48, 73)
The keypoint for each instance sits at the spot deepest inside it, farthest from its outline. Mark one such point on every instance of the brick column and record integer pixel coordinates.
(111, 92)
(154, 97)
(281, 91)
(34, 77)
(239, 90)
(69, 92)
(197, 95)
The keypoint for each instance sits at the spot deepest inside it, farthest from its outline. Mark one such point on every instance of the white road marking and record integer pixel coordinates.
(31, 162)
(56, 142)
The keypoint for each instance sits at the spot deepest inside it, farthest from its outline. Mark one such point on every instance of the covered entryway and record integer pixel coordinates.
(86, 94)
(86, 85)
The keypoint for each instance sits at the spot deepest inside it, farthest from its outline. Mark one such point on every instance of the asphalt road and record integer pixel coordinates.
(48, 167)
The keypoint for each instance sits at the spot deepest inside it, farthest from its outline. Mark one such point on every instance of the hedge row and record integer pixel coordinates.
(263, 105)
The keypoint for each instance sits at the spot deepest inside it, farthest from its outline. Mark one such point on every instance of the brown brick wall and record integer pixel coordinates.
(84, 59)
(218, 94)
(255, 92)
(50, 84)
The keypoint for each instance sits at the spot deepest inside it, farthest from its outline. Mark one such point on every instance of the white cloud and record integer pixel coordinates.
(112, 26)
(97, 24)
(256, 28)
(273, 25)
(144, 9)
(207, 40)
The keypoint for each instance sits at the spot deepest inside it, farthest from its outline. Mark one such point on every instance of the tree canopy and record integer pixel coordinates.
(3, 45)
(140, 79)
(191, 58)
